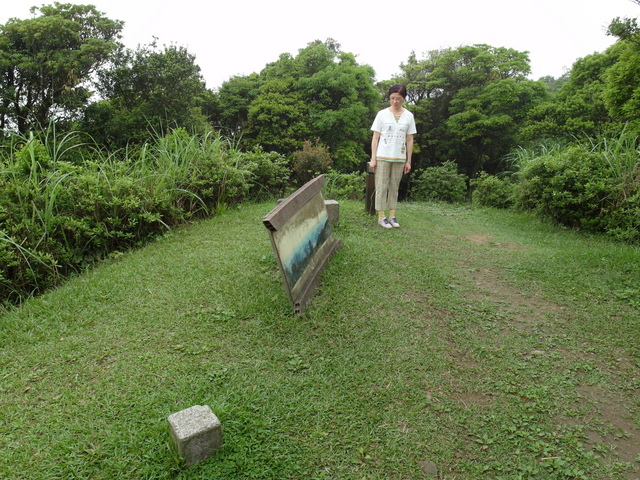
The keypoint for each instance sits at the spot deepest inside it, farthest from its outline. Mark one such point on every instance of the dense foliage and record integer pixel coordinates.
(595, 188)
(64, 205)
(159, 148)
(440, 183)
(321, 93)
(590, 179)
(46, 61)
(137, 100)
(470, 103)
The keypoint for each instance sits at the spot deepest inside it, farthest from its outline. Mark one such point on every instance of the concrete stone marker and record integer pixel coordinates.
(196, 433)
(333, 209)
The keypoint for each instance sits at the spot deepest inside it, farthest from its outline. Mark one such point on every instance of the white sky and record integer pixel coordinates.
(230, 38)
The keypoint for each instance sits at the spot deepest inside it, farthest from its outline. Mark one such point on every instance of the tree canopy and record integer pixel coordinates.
(578, 108)
(473, 104)
(322, 94)
(469, 103)
(46, 61)
(622, 94)
(149, 88)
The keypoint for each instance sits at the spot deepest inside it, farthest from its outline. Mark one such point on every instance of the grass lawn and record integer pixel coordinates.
(468, 344)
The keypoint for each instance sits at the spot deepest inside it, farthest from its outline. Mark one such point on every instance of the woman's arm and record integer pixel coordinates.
(374, 149)
(407, 165)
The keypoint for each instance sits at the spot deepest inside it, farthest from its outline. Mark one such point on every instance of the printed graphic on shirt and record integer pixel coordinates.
(394, 133)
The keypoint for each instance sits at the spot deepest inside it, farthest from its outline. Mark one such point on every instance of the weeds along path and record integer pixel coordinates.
(534, 331)
(531, 312)
(475, 344)
(549, 311)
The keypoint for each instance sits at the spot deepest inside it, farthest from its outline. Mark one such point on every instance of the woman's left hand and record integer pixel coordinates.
(407, 167)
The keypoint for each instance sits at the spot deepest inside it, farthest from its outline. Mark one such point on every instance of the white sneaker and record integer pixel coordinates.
(384, 223)
(394, 222)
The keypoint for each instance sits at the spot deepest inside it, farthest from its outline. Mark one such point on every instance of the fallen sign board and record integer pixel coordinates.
(302, 239)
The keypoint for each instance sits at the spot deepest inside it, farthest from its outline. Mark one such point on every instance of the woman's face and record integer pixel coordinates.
(396, 100)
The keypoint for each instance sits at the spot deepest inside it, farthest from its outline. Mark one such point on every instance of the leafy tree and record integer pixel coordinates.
(625, 28)
(469, 103)
(46, 62)
(340, 96)
(622, 94)
(418, 77)
(277, 118)
(599, 95)
(487, 120)
(233, 99)
(147, 88)
(578, 109)
(554, 84)
(322, 93)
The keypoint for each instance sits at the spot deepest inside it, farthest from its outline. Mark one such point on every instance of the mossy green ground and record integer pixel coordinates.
(480, 343)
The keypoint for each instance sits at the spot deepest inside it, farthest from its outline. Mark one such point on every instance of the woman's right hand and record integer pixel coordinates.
(373, 163)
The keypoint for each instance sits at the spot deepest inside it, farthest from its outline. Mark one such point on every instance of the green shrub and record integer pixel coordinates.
(59, 216)
(593, 185)
(270, 173)
(345, 186)
(621, 213)
(491, 191)
(311, 161)
(32, 158)
(570, 187)
(442, 183)
(24, 271)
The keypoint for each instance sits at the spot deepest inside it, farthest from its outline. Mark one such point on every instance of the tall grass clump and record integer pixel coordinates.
(593, 186)
(65, 204)
(621, 155)
(200, 173)
(622, 206)
(500, 190)
(33, 179)
(519, 158)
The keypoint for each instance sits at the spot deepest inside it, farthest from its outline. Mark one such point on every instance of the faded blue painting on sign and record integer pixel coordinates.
(298, 246)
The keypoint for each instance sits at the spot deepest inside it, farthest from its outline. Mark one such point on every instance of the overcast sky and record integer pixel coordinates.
(240, 37)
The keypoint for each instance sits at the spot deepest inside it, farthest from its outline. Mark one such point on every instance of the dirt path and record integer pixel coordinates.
(607, 412)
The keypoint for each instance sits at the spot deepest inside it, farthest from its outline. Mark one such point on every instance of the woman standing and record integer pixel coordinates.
(391, 149)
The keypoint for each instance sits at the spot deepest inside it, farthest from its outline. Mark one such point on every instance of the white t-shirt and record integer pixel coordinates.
(392, 146)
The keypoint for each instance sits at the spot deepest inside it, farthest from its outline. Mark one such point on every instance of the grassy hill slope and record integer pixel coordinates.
(475, 343)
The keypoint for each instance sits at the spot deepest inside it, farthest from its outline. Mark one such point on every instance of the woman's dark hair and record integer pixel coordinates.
(398, 88)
